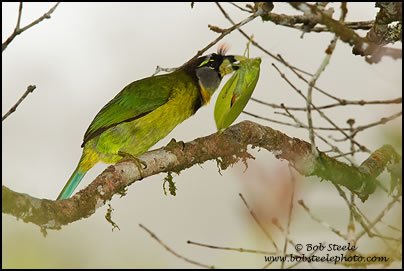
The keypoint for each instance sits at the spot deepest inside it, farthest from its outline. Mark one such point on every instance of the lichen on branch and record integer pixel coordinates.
(233, 142)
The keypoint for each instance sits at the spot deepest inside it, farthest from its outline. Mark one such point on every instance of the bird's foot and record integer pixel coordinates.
(135, 160)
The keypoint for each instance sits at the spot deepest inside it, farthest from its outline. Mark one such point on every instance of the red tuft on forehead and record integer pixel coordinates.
(222, 49)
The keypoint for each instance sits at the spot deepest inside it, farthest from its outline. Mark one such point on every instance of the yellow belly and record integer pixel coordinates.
(137, 136)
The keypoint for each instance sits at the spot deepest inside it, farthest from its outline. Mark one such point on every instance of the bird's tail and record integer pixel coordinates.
(87, 161)
(71, 185)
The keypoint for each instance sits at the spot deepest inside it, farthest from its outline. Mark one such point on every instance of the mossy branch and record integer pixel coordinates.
(230, 147)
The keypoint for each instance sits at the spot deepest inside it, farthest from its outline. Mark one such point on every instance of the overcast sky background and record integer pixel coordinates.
(87, 52)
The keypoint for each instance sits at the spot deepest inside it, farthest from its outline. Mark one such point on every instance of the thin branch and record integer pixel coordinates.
(334, 148)
(172, 251)
(381, 121)
(354, 211)
(379, 217)
(292, 197)
(300, 22)
(242, 250)
(19, 16)
(360, 25)
(292, 21)
(255, 217)
(312, 82)
(240, 8)
(361, 46)
(19, 30)
(30, 89)
(253, 41)
(272, 120)
(226, 32)
(325, 224)
(345, 154)
(305, 80)
(363, 148)
(290, 241)
(299, 124)
(342, 103)
(315, 77)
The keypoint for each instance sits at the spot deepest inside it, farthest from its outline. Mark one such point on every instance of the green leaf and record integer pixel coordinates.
(237, 91)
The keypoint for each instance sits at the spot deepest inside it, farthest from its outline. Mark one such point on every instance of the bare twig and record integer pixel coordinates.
(299, 124)
(342, 103)
(381, 121)
(312, 82)
(293, 21)
(363, 148)
(334, 148)
(252, 213)
(19, 16)
(19, 30)
(172, 251)
(253, 41)
(240, 8)
(360, 25)
(305, 80)
(282, 230)
(379, 217)
(234, 249)
(272, 120)
(226, 32)
(354, 211)
(293, 181)
(30, 89)
(325, 224)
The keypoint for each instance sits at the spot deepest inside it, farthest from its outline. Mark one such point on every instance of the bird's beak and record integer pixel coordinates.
(227, 65)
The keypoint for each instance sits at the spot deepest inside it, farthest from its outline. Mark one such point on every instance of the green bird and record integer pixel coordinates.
(146, 111)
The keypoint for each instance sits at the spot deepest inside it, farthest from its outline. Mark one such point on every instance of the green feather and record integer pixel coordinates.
(135, 100)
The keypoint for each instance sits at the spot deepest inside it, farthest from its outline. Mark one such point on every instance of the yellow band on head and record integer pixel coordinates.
(203, 63)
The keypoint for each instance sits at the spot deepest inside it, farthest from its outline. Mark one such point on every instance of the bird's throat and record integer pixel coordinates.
(205, 94)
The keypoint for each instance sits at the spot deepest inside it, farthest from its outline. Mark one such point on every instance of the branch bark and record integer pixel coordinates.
(30, 89)
(226, 149)
(361, 46)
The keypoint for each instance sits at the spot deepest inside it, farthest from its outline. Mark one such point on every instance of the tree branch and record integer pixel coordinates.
(226, 32)
(361, 46)
(381, 33)
(226, 149)
(173, 252)
(30, 89)
(19, 30)
(343, 102)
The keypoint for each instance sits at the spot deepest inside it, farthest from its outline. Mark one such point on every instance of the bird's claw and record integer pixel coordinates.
(135, 160)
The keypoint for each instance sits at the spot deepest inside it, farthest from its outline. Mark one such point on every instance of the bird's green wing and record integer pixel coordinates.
(134, 101)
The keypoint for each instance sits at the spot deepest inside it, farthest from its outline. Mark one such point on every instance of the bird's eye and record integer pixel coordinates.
(211, 65)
